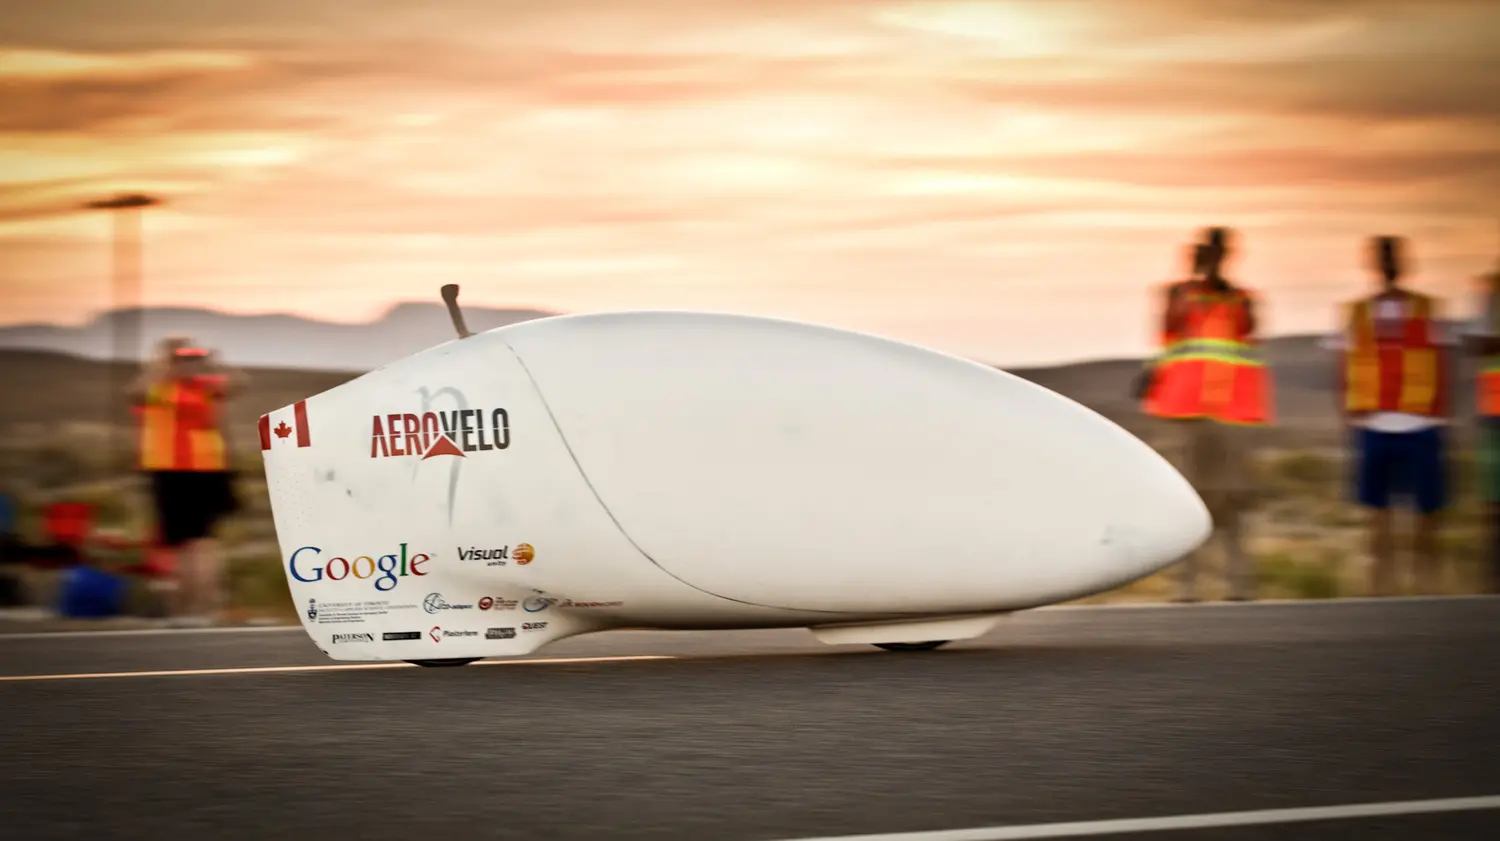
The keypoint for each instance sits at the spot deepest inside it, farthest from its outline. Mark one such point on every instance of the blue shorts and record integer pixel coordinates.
(1401, 464)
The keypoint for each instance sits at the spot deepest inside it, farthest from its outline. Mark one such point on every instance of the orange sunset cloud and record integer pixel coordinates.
(1004, 180)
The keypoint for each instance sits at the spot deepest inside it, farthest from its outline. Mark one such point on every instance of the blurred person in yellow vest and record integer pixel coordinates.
(1395, 375)
(183, 449)
(1484, 342)
(1210, 386)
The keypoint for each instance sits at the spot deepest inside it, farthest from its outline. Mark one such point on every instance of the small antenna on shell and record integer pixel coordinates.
(450, 297)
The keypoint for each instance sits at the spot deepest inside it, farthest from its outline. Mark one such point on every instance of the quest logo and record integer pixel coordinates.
(386, 570)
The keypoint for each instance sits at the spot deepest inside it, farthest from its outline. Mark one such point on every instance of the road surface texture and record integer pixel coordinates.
(1067, 715)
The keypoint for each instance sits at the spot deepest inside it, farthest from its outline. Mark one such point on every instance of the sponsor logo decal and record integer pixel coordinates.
(386, 570)
(537, 604)
(491, 557)
(497, 603)
(534, 626)
(443, 425)
(571, 603)
(438, 634)
(338, 638)
(350, 613)
(525, 553)
(429, 434)
(500, 634)
(397, 636)
(435, 603)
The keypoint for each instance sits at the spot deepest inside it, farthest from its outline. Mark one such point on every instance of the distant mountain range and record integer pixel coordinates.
(1304, 365)
(273, 341)
(317, 355)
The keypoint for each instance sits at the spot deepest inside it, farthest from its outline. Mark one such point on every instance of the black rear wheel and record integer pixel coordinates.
(438, 664)
(912, 646)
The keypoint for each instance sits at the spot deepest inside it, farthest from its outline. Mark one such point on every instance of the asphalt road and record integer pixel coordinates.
(1057, 716)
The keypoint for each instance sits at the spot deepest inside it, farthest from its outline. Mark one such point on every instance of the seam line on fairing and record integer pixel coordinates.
(588, 483)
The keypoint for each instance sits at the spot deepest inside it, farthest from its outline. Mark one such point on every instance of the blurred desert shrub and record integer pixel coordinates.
(1305, 472)
(1463, 479)
(55, 464)
(1302, 575)
(255, 500)
(67, 455)
(116, 505)
(248, 464)
(257, 583)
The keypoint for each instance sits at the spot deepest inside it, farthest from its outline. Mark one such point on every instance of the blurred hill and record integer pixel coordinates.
(43, 391)
(1305, 383)
(272, 341)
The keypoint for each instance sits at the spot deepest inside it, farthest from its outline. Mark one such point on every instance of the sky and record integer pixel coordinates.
(1009, 181)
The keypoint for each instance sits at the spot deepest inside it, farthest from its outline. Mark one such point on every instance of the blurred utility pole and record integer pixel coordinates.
(125, 323)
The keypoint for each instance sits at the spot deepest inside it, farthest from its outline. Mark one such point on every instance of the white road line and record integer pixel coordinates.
(328, 668)
(1206, 821)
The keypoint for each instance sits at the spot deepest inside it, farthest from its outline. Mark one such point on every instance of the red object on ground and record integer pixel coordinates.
(71, 524)
(68, 523)
(157, 561)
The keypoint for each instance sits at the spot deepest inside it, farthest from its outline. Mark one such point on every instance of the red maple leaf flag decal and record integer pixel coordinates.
(280, 431)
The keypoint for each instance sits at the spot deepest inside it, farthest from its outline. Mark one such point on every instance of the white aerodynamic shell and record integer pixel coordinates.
(692, 470)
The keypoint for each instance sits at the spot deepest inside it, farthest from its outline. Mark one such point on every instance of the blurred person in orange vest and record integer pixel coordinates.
(1483, 341)
(183, 450)
(1171, 320)
(1210, 385)
(1395, 377)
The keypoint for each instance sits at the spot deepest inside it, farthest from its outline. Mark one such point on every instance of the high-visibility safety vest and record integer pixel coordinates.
(1487, 401)
(1168, 336)
(1394, 366)
(180, 426)
(1211, 369)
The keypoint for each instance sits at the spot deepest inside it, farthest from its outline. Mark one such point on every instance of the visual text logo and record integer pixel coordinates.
(492, 557)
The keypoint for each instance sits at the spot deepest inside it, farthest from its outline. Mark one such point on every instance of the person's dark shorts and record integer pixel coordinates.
(1401, 464)
(190, 503)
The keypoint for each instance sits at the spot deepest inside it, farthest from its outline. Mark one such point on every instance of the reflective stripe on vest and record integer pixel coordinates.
(1399, 374)
(1214, 371)
(179, 428)
(1224, 350)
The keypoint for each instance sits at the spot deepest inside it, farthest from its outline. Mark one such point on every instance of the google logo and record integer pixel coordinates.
(387, 570)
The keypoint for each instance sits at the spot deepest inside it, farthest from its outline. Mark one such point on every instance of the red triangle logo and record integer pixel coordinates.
(443, 446)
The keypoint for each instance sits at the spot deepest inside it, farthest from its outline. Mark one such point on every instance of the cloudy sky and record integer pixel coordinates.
(999, 179)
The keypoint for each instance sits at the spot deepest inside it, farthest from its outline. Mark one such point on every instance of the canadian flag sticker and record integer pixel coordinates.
(275, 429)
